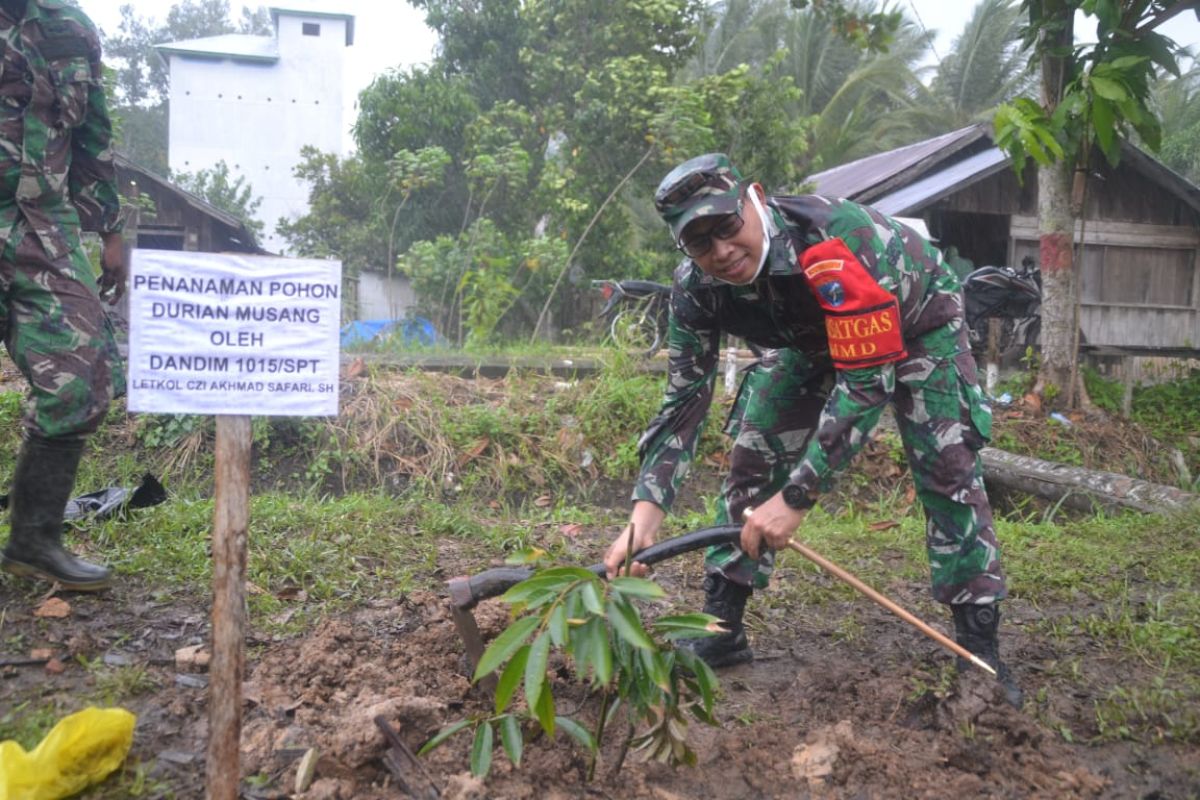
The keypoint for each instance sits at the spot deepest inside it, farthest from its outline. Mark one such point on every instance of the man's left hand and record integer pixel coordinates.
(114, 267)
(773, 523)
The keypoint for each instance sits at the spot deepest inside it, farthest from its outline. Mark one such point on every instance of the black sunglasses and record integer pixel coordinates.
(727, 228)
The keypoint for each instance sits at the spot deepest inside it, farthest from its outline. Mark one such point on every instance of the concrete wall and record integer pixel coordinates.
(257, 116)
(382, 298)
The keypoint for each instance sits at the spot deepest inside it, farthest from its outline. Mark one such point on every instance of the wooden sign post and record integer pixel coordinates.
(221, 334)
(231, 521)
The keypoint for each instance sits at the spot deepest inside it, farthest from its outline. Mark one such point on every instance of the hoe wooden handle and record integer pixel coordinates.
(843, 575)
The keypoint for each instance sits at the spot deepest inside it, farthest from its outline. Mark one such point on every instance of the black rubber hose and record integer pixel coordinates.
(467, 591)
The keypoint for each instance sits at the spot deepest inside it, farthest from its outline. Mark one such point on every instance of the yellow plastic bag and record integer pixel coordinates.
(81, 750)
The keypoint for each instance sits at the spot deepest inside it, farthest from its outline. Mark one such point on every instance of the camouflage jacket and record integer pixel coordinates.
(56, 166)
(781, 310)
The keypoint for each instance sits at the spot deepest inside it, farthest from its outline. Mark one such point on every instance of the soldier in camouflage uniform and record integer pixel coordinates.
(56, 178)
(860, 311)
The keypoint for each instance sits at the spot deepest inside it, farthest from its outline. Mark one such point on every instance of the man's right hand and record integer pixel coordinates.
(645, 521)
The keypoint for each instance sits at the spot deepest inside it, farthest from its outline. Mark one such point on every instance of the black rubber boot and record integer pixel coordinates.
(725, 600)
(42, 484)
(975, 628)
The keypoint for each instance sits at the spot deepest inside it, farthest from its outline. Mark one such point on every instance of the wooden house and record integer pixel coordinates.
(1140, 230)
(172, 218)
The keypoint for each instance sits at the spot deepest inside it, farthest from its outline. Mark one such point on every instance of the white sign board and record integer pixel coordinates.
(226, 333)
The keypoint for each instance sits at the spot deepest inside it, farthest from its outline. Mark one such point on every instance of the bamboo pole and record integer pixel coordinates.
(231, 518)
(843, 575)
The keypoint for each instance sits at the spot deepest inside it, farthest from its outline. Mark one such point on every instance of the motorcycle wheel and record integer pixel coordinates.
(634, 331)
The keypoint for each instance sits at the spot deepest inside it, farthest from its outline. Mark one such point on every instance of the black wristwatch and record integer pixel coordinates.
(797, 498)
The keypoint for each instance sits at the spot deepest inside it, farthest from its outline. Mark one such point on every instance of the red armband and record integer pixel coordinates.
(862, 319)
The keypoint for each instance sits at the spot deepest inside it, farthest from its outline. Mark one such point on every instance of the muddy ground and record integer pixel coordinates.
(818, 714)
(815, 716)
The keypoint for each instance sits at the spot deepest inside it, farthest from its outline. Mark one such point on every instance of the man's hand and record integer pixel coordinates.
(772, 523)
(114, 268)
(645, 521)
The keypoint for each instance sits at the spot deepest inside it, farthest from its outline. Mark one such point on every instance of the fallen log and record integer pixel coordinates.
(1080, 488)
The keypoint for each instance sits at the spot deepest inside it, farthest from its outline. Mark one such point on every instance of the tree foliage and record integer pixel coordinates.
(1177, 103)
(219, 187)
(1105, 93)
(544, 109)
(558, 117)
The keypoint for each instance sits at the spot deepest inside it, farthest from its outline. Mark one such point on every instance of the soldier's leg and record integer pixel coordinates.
(60, 339)
(944, 421)
(776, 410)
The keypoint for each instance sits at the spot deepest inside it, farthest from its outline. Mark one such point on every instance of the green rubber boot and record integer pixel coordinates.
(725, 600)
(42, 484)
(975, 628)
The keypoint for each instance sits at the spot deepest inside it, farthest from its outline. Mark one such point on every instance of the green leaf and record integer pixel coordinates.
(591, 598)
(599, 651)
(706, 679)
(1047, 139)
(544, 711)
(1104, 126)
(688, 626)
(572, 574)
(1127, 62)
(529, 555)
(656, 669)
(510, 678)
(481, 751)
(557, 625)
(577, 732)
(442, 735)
(638, 587)
(538, 584)
(1108, 89)
(505, 645)
(535, 668)
(511, 737)
(627, 625)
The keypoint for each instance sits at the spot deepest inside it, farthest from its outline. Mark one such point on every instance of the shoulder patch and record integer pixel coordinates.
(862, 319)
(821, 267)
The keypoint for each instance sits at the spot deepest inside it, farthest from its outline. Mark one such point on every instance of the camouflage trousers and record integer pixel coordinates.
(57, 333)
(942, 423)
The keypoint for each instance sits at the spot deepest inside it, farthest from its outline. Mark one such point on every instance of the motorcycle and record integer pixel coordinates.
(638, 312)
(1012, 296)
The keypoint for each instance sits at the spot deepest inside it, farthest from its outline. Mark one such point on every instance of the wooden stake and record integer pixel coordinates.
(841, 574)
(231, 518)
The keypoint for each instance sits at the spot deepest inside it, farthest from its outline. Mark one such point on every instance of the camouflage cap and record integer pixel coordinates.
(705, 186)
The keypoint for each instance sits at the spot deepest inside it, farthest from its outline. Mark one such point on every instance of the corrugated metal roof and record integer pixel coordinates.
(856, 178)
(238, 46)
(917, 195)
(242, 233)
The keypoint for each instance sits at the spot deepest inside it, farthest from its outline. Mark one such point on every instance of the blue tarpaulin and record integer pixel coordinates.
(414, 330)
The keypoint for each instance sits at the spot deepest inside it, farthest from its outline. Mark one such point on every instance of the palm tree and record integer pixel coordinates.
(1177, 101)
(864, 103)
(738, 32)
(864, 113)
(985, 66)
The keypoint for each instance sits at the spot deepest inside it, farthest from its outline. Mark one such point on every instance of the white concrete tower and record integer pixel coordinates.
(255, 101)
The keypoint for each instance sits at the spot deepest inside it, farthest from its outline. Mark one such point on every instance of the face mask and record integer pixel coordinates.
(768, 228)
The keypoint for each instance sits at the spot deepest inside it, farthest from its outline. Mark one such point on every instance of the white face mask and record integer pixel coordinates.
(767, 229)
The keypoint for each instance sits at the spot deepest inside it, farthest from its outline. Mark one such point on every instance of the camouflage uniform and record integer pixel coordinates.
(799, 419)
(56, 177)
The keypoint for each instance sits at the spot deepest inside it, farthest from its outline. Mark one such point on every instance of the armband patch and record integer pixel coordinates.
(862, 319)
